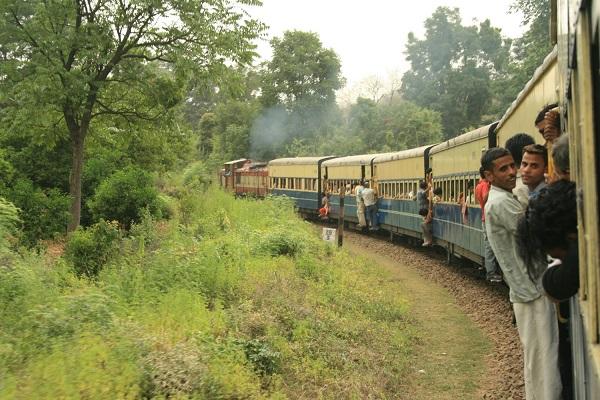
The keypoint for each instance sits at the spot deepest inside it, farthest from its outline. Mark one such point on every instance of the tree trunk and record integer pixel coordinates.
(77, 145)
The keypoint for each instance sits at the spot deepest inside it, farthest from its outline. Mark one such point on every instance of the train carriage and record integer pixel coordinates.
(340, 172)
(542, 89)
(578, 37)
(298, 178)
(398, 175)
(251, 179)
(227, 174)
(455, 165)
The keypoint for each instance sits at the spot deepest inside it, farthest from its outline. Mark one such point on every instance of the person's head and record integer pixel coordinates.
(515, 145)
(542, 114)
(549, 224)
(481, 172)
(437, 191)
(547, 122)
(560, 155)
(422, 185)
(534, 165)
(499, 168)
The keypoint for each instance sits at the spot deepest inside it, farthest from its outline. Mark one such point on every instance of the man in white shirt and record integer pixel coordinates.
(370, 199)
(536, 319)
(360, 205)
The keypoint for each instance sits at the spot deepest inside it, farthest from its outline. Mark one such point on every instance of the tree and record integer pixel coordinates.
(452, 68)
(301, 80)
(529, 50)
(71, 62)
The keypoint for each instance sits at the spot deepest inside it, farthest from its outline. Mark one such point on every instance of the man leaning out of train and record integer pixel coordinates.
(370, 198)
(547, 123)
(535, 316)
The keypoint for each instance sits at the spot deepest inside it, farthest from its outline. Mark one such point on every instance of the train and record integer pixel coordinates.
(568, 76)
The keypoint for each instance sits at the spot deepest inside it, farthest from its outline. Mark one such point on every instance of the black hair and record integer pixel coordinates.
(542, 114)
(515, 145)
(560, 153)
(437, 191)
(491, 155)
(423, 185)
(481, 172)
(537, 149)
(550, 217)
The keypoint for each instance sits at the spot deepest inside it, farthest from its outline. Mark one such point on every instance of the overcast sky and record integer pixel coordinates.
(370, 37)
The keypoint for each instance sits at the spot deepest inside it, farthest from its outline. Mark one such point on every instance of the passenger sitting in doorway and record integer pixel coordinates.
(534, 166)
(370, 199)
(515, 146)
(324, 210)
(492, 271)
(423, 202)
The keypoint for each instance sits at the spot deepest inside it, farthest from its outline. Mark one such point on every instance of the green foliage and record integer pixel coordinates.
(452, 69)
(88, 249)
(281, 242)
(117, 65)
(98, 367)
(9, 220)
(261, 355)
(530, 49)
(45, 213)
(124, 196)
(242, 301)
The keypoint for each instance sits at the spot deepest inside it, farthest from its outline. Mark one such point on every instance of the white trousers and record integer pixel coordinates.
(538, 331)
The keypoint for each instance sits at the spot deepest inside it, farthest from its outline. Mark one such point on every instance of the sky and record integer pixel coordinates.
(370, 37)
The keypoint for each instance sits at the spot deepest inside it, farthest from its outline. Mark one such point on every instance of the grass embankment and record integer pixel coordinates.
(228, 299)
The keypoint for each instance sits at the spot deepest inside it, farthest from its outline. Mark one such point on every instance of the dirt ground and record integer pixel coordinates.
(469, 348)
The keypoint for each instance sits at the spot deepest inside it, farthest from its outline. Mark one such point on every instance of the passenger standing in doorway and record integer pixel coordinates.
(492, 272)
(426, 211)
(370, 199)
(360, 205)
(535, 315)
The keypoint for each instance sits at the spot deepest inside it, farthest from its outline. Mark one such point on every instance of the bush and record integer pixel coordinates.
(281, 242)
(123, 197)
(88, 249)
(44, 213)
(9, 218)
(196, 176)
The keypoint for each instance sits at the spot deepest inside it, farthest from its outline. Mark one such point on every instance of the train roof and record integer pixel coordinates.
(462, 139)
(362, 159)
(236, 161)
(400, 155)
(537, 75)
(252, 165)
(298, 160)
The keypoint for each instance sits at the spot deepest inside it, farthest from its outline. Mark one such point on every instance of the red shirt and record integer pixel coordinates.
(481, 192)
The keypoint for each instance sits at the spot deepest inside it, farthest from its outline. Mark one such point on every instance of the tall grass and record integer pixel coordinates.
(229, 299)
